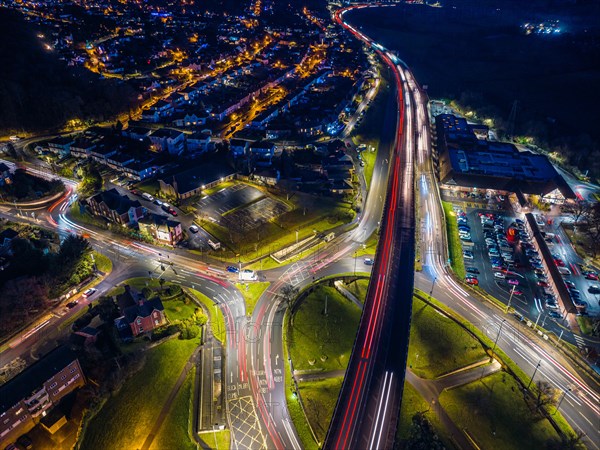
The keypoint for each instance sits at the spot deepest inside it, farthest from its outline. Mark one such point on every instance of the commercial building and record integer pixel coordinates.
(466, 161)
(192, 181)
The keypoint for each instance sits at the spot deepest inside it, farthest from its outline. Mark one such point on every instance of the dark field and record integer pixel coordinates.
(480, 57)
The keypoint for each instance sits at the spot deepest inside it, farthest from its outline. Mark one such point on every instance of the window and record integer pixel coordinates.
(63, 377)
(139, 321)
(73, 369)
(156, 322)
(53, 385)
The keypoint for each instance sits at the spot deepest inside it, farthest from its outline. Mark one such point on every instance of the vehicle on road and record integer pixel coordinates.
(157, 202)
(172, 212)
(148, 197)
(232, 269)
(369, 261)
(72, 304)
(194, 228)
(89, 292)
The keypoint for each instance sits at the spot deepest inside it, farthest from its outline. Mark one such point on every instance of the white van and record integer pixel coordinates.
(564, 270)
(148, 197)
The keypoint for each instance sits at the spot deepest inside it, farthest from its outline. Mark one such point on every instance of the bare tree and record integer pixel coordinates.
(289, 293)
(545, 395)
(580, 211)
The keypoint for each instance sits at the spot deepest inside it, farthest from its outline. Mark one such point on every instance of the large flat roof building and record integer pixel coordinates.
(467, 161)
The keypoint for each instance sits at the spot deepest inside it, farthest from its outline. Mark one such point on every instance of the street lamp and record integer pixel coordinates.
(534, 372)
(497, 337)
(512, 291)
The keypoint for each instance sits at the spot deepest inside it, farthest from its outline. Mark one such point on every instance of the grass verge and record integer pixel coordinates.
(251, 293)
(173, 433)
(127, 417)
(437, 344)
(103, 263)
(495, 414)
(455, 247)
(320, 342)
(319, 398)
(359, 289)
(217, 320)
(295, 409)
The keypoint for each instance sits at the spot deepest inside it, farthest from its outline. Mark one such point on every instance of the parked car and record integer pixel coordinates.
(72, 304)
(551, 305)
(369, 261)
(555, 314)
(542, 283)
(472, 281)
(232, 269)
(194, 228)
(570, 284)
(594, 289)
(499, 275)
(157, 202)
(591, 275)
(88, 293)
(472, 269)
(513, 281)
(468, 254)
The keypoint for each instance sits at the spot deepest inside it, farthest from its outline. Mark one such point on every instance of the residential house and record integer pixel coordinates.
(188, 119)
(116, 207)
(6, 238)
(101, 153)
(238, 147)
(269, 177)
(262, 152)
(142, 317)
(168, 139)
(5, 174)
(61, 145)
(82, 148)
(140, 170)
(192, 181)
(119, 160)
(138, 133)
(33, 393)
(198, 142)
(162, 228)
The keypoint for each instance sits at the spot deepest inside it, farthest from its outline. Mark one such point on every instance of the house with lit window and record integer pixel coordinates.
(140, 315)
(116, 207)
(162, 228)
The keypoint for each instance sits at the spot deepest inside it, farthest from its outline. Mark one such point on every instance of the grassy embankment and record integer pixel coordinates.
(127, 417)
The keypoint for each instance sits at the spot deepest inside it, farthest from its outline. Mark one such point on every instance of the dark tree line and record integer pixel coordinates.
(38, 91)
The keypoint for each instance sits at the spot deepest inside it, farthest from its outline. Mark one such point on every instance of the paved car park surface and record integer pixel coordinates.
(231, 197)
(500, 264)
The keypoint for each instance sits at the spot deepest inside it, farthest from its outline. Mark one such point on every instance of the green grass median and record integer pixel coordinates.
(495, 414)
(437, 344)
(217, 320)
(251, 293)
(454, 245)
